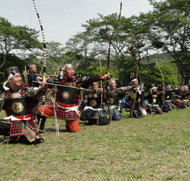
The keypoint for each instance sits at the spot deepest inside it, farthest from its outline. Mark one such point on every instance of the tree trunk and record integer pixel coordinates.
(85, 59)
(121, 82)
(4, 60)
(186, 80)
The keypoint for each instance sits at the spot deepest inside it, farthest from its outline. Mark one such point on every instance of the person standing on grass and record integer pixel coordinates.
(16, 101)
(32, 76)
(91, 105)
(67, 98)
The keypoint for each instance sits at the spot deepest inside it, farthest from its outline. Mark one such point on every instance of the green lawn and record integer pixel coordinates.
(152, 148)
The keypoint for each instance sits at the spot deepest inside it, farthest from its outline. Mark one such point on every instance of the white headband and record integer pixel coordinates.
(154, 87)
(111, 82)
(67, 66)
(133, 80)
(63, 68)
(185, 87)
(13, 73)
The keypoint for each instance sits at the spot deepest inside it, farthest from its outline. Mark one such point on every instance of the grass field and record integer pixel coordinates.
(152, 148)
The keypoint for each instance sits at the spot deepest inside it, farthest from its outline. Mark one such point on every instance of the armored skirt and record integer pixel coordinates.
(95, 116)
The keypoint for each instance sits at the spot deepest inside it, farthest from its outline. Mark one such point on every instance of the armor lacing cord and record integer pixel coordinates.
(77, 101)
(62, 81)
(74, 81)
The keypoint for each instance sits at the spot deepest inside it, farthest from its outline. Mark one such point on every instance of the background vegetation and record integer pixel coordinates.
(164, 31)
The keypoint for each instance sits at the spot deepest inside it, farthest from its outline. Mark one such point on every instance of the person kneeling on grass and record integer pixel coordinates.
(135, 97)
(67, 98)
(18, 101)
(153, 100)
(92, 112)
(113, 98)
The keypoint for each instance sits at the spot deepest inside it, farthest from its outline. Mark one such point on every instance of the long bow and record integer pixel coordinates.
(137, 71)
(109, 59)
(162, 80)
(44, 55)
(100, 73)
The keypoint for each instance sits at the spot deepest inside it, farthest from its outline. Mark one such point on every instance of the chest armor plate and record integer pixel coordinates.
(168, 96)
(94, 100)
(16, 105)
(68, 95)
(113, 98)
(186, 98)
(135, 97)
(155, 99)
(132, 95)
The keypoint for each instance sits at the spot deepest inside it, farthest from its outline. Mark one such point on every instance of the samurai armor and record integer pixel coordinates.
(113, 98)
(63, 115)
(92, 116)
(94, 100)
(67, 95)
(20, 128)
(31, 135)
(16, 106)
(165, 108)
(17, 128)
(5, 127)
(137, 114)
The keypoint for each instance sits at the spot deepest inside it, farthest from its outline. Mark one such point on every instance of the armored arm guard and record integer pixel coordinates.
(123, 90)
(33, 92)
(85, 80)
(2, 99)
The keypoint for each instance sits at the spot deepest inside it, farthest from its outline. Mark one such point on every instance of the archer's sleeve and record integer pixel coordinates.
(33, 92)
(123, 90)
(86, 80)
(56, 81)
(145, 95)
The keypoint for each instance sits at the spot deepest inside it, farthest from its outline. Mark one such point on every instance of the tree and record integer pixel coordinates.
(78, 50)
(54, 56)
(156, 76)
(168, 30)
(103, 27)
(16, 38)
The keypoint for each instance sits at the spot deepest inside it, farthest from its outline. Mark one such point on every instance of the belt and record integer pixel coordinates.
(66, 105)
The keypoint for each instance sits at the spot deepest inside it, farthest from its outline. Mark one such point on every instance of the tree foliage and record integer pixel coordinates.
(168, 30)
(165, 29)
(16, 39)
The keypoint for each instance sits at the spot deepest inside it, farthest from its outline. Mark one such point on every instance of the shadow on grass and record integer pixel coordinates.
(53, 130)
(18, 140)
(2, 138)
